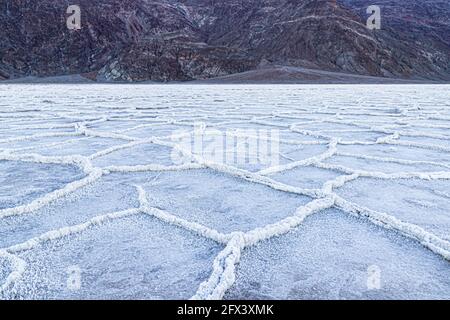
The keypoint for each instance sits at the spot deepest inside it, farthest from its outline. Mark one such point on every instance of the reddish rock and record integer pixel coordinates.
(165, 40)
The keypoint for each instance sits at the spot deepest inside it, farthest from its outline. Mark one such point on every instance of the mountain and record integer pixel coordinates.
(167, 40)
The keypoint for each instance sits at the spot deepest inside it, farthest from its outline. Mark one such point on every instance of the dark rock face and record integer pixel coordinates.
(417, 33)
(164, 40)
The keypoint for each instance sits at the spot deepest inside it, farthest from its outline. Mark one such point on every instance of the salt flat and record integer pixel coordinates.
(99, 198)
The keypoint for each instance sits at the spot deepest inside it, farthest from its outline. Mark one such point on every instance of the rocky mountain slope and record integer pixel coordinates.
(164, 40)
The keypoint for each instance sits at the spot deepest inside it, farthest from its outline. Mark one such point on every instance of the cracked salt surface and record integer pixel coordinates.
(109, 195)
(21, 182)
(292, 266)
(79, 146)
(423, 203)
(134, 258)
(215, 200)
(88, 181)
(306, 177)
